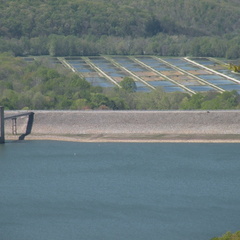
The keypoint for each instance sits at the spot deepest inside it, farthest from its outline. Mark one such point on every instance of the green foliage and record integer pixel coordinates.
(36, 85)
(80, 104)
(118, 18)
(128, 84)
(153, 27)
(81, 27)
(159, 100)
(193, 102)
(225, 100)
(228, 236)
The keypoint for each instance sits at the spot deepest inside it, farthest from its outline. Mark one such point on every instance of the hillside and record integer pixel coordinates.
(38, 27)
(119, 18)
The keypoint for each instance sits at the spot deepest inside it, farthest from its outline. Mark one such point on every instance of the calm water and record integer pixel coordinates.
(111, 191)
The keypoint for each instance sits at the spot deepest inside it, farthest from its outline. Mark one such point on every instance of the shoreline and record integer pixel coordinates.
(125, 138)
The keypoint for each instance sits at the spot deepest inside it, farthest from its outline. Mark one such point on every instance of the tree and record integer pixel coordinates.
(38, 101)
(153, 26)
(80, 104)
(99, 99)
(225, 100)
(128, 84)
(193, 102)
(233, 52)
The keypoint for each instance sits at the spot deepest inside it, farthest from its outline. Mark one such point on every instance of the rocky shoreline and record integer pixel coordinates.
(129, 126)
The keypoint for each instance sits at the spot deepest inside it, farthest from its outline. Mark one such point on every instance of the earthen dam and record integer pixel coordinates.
(166, 126)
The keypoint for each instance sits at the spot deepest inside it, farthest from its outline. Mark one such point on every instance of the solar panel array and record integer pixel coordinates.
(149, 72)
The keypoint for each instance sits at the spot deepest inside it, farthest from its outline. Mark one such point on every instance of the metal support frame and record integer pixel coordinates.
(29, 124)
(14, 126)
(2, 132)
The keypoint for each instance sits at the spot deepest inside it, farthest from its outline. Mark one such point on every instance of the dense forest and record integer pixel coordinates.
(45, 85)
(93, 27)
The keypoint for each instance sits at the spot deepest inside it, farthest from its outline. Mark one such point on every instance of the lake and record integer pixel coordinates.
(158, 191)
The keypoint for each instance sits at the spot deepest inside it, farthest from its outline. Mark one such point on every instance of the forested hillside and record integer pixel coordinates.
(92, 27)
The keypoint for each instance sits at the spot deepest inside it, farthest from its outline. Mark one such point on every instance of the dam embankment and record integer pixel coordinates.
(128, 123)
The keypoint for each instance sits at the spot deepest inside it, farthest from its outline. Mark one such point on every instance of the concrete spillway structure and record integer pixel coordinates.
(2, 132)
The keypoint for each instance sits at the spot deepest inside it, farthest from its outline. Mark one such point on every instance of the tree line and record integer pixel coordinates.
(83, 27)
(161, 44)
(117, 17)
(45, 85)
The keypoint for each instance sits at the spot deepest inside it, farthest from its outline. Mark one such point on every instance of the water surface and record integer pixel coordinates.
(61, 190)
